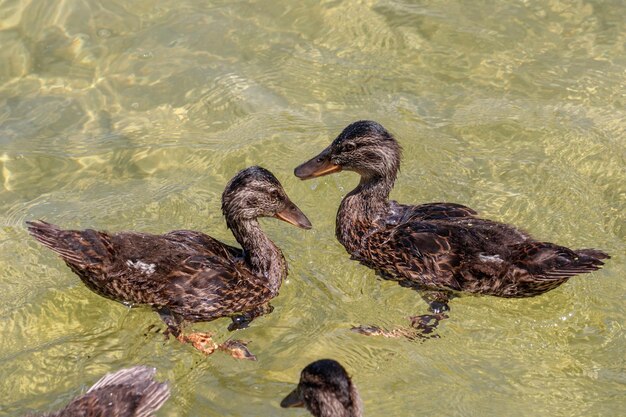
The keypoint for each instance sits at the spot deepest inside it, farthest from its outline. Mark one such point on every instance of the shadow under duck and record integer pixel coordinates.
(326, 390)
(435, 247)
(130, 392)
(188, 276)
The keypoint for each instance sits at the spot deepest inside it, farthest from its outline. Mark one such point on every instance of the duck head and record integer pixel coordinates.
(255, 192)
(364, 147)
(326, 390)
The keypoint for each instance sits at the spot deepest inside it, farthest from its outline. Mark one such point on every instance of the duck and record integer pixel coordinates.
(326, 390)
(187, 276)
(440, 249)
(129, 392)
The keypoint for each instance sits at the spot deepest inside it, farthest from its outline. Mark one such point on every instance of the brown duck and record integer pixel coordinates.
(440, 247)
(129, 392)
(326, 390)
(187, 276)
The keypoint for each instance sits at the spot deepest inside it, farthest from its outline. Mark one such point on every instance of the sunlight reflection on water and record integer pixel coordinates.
(124, 117)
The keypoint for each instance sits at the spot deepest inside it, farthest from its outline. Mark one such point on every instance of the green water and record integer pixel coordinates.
(124, 116)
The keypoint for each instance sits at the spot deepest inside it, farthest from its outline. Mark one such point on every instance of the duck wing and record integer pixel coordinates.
(204, 243)
(129, 392)
(86, 249)
(138, 268)
(475, 255)
(419, 252)
(403, 213)
(431, 211)
(529, 269)
(207, 287)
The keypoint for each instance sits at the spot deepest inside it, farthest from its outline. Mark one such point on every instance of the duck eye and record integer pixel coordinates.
(349, 147)
(275, 194)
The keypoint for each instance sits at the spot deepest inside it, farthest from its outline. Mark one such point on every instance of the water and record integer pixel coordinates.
(121, 117)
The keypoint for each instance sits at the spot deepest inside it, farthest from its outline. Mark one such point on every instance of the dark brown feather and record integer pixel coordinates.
(188, 274)
(435, 246)
(326, 390)
(129, 392)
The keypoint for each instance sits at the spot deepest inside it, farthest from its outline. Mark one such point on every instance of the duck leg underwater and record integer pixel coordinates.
(202, 341)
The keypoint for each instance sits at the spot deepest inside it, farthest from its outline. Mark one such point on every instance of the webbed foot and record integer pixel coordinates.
(238, 349)
(426, 324)
(422, 327)
(367, 330)
(201, 341)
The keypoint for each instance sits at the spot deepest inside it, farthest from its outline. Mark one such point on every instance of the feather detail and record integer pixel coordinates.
(435, 246)
(130, 392)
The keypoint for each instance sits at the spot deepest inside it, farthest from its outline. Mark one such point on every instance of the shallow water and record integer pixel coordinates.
(134, 117)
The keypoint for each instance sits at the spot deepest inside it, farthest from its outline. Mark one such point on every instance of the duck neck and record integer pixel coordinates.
(261, 255)
(328, 405)
(365, 204)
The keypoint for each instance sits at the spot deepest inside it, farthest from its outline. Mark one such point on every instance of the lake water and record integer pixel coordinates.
(133, 116)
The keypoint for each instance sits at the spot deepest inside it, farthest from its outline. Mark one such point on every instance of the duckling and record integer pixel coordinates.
(185, 275)
(130, 392)
(438, 248)
(326, 390)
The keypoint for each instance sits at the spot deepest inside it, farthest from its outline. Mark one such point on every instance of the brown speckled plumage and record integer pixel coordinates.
(188, 275)
(129, 392)
(326, 390)
(435, 246)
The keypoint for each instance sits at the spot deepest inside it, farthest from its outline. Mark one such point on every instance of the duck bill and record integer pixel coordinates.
(317, 167)
(292, 400)
(293, 215)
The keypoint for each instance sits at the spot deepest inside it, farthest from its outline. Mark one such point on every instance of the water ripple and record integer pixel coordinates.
(124, 116)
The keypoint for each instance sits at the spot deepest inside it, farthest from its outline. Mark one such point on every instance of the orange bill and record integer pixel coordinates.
(293, 215)
(317, 167)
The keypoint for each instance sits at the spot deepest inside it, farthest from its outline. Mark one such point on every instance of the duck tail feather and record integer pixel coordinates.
(83, 247)
(592, 253)
(548, 261)
(586, 261)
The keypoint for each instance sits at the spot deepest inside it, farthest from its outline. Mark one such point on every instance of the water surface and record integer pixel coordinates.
(123, 116)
